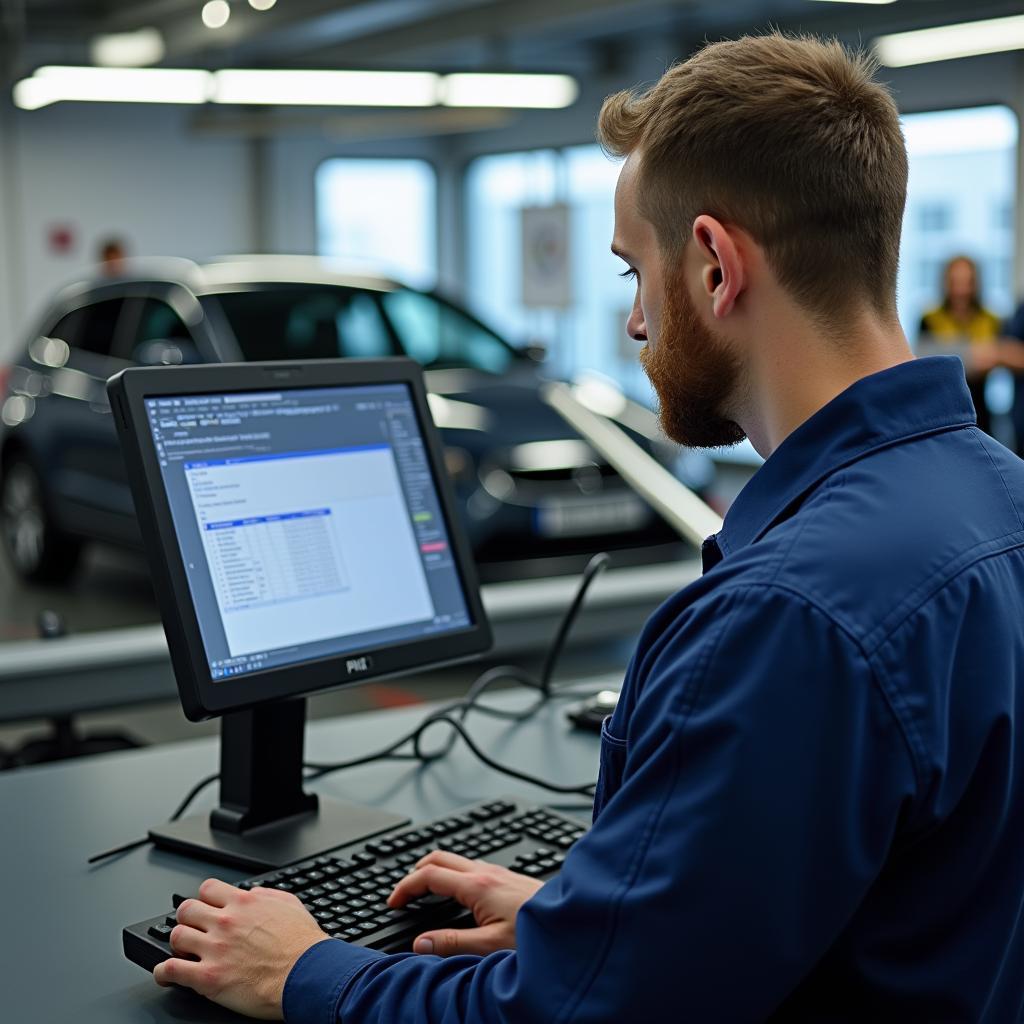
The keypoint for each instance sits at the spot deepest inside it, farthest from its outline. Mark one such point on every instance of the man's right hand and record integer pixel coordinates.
(493, 893)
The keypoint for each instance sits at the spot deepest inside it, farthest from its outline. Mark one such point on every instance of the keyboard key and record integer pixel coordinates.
(348, 894)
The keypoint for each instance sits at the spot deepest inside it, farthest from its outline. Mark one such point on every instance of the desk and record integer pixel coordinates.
(60, 940)
(95, 671)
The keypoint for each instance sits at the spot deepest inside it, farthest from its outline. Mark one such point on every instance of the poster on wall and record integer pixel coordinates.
(547, 274)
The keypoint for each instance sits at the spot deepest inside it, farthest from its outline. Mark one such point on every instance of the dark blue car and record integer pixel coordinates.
(535, 497)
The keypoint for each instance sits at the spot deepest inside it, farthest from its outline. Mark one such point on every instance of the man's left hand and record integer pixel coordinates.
(242, 944)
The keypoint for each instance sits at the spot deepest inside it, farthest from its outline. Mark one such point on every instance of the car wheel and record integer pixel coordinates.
(36, 549)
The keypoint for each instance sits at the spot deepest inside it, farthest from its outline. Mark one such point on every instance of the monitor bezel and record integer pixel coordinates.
(203, 697)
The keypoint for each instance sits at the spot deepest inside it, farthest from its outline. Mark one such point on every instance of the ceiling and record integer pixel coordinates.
(577, 36)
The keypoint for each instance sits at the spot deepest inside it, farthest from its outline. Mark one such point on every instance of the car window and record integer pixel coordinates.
(438, 335)
(66, 327)
(156, 321)
(97, 327)
(306, 323)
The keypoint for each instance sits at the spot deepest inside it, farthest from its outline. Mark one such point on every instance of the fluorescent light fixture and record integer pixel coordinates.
(327, 88)
(216, 13)
(31, 94)
(485, 90)
(52, 83)
(262, 5)
(948, 42)
(128, 49)
(856, 1)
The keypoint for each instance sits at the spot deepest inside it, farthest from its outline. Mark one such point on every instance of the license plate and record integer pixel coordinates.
(585, 517)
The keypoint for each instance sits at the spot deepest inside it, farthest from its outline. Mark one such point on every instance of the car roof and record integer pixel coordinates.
(228, 273)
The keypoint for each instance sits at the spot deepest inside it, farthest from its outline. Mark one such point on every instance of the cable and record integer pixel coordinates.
(471, 702)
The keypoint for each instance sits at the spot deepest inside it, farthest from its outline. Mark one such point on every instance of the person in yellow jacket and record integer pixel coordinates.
(962, 322)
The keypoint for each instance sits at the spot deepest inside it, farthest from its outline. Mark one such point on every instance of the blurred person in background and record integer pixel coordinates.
(111, 254)
(963, 322)
(1010, 353)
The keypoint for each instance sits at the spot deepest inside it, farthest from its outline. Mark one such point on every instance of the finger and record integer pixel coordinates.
(187, 940)
(197, 914)
(217, 893)
(461, 885)
(447, 860)
(179, 972)
(453, 941)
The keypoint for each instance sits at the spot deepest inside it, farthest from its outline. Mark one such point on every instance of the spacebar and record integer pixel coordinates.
(403, 932)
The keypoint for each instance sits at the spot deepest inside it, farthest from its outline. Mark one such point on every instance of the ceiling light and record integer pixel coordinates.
(482, 90)
(262, 5)
(282, 87)
(31, 94)
(948, 42)
(128, 49)
(857, 1)
(216, 13)
(52, 84)
(327, 88)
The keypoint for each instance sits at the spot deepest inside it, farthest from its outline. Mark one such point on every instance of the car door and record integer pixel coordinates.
(86, 467)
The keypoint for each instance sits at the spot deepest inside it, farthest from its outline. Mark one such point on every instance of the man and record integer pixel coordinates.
(811, 804)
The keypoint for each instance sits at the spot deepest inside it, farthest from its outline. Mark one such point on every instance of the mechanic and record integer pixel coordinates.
(811, 801)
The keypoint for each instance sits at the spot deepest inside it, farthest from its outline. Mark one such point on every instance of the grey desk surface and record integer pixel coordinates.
(60, 928)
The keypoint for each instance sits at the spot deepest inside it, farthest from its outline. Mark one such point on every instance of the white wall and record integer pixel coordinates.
(136, 172)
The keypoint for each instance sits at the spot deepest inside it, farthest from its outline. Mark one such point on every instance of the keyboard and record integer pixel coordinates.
(345, 889)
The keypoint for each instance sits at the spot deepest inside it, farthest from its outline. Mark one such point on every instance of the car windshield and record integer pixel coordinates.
(325, 321)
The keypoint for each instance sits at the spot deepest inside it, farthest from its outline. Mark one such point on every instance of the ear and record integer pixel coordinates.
(723, 275)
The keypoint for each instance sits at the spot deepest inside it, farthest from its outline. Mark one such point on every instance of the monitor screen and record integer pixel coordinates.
(308, 522)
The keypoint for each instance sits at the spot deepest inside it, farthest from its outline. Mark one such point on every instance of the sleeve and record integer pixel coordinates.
(760, 777)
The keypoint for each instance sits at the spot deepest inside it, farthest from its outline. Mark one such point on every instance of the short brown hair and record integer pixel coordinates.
(789, 138)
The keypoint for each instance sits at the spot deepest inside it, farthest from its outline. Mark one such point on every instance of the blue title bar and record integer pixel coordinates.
(287, 455)
(227, 524)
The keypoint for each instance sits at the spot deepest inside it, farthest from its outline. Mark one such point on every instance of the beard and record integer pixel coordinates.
(693, 375)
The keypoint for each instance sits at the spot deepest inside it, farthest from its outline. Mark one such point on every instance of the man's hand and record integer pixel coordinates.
(243, 945)
(493, 893)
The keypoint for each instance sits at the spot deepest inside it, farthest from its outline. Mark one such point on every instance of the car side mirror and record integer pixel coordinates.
(167, 352)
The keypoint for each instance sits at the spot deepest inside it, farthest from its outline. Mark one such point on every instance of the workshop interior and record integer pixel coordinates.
(334, 495)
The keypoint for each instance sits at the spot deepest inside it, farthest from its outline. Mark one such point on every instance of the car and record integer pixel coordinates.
(535, 497)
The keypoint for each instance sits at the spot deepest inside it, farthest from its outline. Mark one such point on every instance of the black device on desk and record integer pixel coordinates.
(302, 536)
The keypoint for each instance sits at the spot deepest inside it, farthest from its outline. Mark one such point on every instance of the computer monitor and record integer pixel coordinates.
(302, 535)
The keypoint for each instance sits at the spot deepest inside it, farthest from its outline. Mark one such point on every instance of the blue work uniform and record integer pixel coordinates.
(811, 804)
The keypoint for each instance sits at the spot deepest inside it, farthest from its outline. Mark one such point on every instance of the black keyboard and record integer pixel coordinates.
(345, 889)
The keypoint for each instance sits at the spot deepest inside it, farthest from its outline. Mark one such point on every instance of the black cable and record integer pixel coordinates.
(594, 568)
(471, 702)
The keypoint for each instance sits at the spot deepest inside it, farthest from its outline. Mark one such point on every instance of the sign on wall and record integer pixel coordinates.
(547, 268)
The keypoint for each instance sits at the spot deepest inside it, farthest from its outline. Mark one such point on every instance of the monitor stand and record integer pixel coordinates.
(266, 819)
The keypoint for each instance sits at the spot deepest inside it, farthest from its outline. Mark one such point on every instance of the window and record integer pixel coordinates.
(960, 199)
(309, 322)
(98, 326)
(153, 333)
(591, 334)
(67, 327)
(934, 217)
(439, 336)
(381, 215)
(159, 322)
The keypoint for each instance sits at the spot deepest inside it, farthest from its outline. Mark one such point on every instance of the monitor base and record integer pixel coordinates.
(281, 842)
